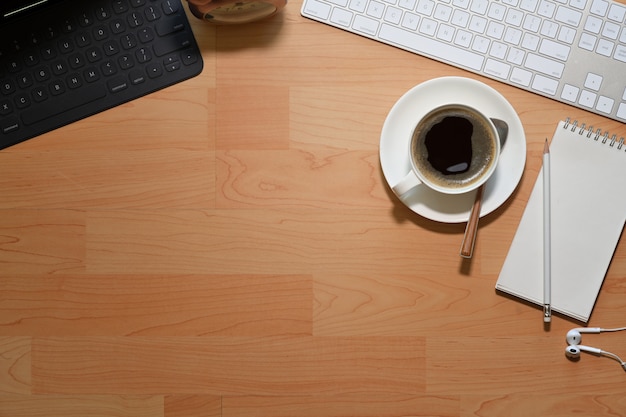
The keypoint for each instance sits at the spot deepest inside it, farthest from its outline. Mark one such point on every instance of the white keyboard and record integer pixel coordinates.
(573, 51)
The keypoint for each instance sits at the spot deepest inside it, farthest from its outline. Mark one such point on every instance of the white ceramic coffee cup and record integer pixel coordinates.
(485, 145)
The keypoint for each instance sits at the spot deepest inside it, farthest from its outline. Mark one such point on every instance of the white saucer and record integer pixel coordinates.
(398, 128)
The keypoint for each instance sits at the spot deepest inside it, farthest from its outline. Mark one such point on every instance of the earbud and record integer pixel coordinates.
(574, 337)
(574, 347)
(573, 351)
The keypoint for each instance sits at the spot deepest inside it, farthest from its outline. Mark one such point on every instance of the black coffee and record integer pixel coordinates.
(449, 145)
(453, 146)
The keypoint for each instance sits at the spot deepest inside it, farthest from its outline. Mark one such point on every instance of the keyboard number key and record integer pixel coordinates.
(587, 99)
(593, 81)
(605, 105)
(570, 93)
(621, 111)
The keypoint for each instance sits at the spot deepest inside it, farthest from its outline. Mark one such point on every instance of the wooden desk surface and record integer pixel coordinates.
(228, 246)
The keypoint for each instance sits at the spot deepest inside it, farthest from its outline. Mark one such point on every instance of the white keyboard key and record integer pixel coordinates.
(579, 4)
(495, 30)
(461, 3)
(497, 69)
(443, 12)
(617, 13)
(358, 5)
(622, 37)
(497, 11)
(568, 16)
(530, 41)
(480, 44)
(545, 85)
(599, 7)
(463, 38)
(478, 24)
(549, 29)
(431, 47)
(445, 33)
(587, 99)
(460, 18)
(529, 5)
(587, 42)
(610, 30)
(393, 15)
(521, 76)
(621, 111)
(428, 27)
(425, 7)
(516, 56)
(620, 54)
(410, 21)
(554, 49)
(593, 81)
(341, 17)
(570, 93)
(513, 36)
(407, 4)
(498, 50)
(365, 25)
(605, 104)
(546, 9)
(514, 17)
(317, 9)
(532, 23)
(544, 65)
(593, 24)
(605, 47)
(479, 6)
(567, 35)
(375, 9)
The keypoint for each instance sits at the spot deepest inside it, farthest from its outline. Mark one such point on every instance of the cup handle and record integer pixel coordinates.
(407, 183)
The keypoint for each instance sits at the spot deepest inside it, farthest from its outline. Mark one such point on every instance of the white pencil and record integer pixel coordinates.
(547, 278)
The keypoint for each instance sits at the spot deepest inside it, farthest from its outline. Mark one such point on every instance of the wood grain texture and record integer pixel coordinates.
(229, 247)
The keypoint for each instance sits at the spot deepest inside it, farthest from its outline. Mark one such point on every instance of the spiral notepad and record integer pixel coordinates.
(588, 212)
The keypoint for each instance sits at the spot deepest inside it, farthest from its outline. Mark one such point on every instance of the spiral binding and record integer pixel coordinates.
(597, 135)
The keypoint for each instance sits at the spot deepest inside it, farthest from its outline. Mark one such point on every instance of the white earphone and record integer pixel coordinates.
(574, 347)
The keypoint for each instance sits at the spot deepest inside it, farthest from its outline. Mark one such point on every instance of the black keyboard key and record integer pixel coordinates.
(117, 84)
(52, 108)
(9, 125)
(170, 44)
(168, 26)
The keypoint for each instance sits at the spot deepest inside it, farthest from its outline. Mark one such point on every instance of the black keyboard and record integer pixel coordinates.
(82, 57)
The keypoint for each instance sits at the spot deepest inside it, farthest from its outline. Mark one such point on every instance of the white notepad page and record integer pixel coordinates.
(588, 212)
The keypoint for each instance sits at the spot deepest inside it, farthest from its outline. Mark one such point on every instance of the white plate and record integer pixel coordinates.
(398, 128)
